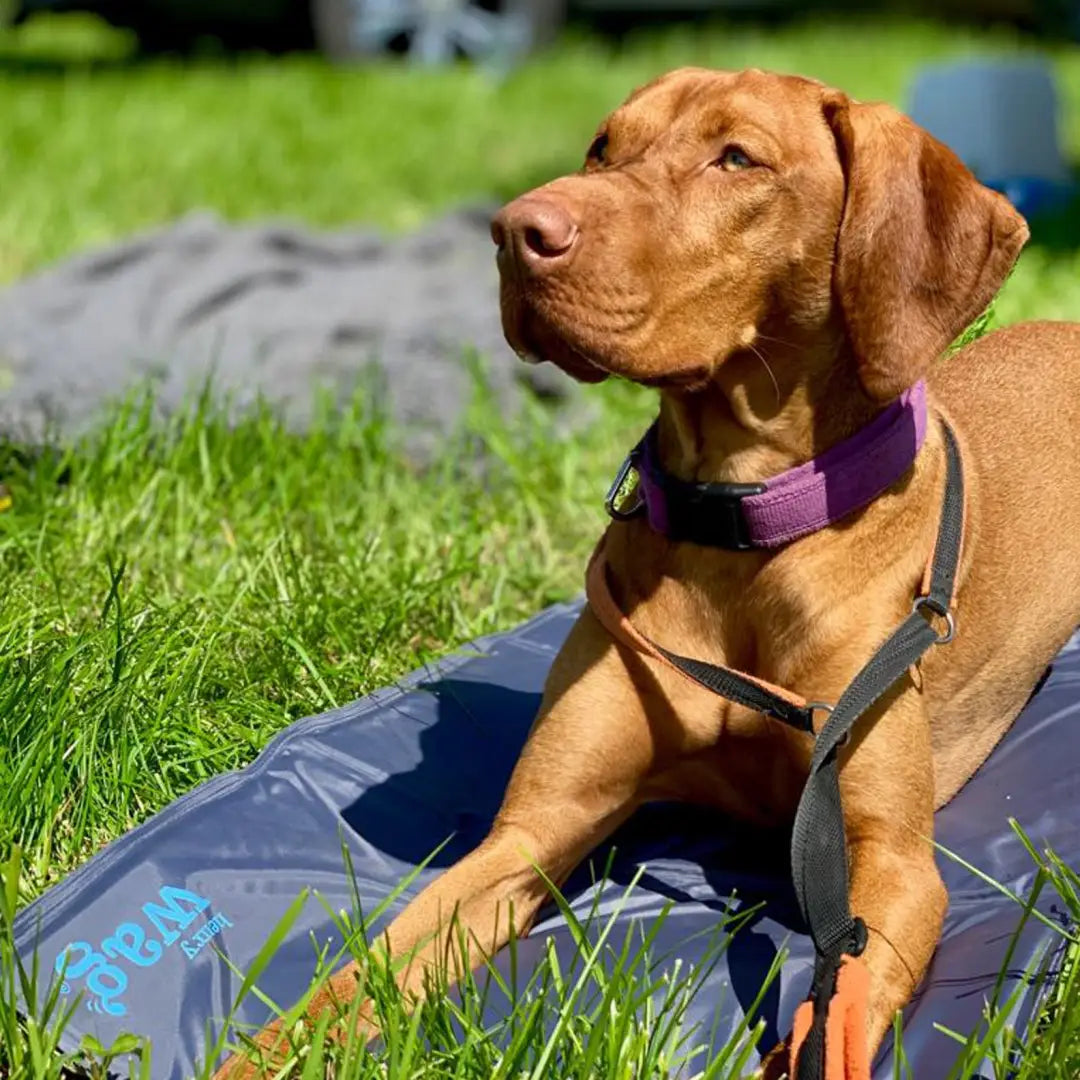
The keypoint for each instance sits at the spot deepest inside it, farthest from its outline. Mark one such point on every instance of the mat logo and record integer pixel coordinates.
(134, 943)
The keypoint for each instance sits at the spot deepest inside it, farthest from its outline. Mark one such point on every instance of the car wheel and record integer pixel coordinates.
(435, 31)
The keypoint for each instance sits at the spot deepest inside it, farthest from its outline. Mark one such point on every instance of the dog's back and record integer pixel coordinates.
(1014, 398)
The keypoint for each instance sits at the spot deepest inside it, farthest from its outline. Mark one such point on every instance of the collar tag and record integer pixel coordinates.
(625, 499)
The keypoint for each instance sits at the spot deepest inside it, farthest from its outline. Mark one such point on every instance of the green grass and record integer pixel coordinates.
(175, 594)
(615, 1010)
(99, 145)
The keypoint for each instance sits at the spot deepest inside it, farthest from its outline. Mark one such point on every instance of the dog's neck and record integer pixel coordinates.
(760, 416)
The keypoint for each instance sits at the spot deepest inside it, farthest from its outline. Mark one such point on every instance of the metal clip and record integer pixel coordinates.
(610, 501)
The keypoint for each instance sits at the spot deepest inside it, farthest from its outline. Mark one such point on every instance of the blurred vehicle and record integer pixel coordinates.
(429, 31)
(435, 31)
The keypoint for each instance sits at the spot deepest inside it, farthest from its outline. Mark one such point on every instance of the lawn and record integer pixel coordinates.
(99, 146)
(175, 595)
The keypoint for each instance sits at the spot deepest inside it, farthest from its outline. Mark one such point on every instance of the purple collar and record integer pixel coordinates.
(783, 508)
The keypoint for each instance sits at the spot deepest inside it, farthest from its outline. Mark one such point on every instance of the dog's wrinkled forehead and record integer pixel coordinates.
(695, 105)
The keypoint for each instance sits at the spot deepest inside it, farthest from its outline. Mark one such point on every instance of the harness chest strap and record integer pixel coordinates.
(826, 1044)
(737, 686)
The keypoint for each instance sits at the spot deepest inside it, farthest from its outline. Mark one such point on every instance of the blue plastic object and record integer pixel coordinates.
(397, 773)
(1000, 116)
(1032, 195)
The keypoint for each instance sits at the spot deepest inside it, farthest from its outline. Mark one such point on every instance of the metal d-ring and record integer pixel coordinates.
(824, 706)
(950, 621)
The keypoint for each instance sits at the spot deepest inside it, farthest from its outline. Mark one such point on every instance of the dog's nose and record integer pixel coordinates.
(539, 234)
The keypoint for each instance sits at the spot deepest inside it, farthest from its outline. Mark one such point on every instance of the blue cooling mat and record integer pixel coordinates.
(398, 772)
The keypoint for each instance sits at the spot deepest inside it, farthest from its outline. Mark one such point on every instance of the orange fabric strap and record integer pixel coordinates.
(847, 1056)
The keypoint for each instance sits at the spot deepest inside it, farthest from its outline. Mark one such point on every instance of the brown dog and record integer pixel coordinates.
(780, 261)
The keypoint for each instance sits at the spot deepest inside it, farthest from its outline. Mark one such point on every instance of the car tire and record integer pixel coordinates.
(530, 24)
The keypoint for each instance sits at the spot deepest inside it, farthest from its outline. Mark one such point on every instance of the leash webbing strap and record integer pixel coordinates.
(728, 683)
(818, 847)
(901, 650)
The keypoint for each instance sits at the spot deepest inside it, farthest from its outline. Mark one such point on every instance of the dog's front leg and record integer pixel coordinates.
(579, 776)
(887, 790)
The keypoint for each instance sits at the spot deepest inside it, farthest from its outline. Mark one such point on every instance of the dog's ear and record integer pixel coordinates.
(923, 246)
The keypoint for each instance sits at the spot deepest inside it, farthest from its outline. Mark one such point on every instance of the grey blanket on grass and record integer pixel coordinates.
(270, 310)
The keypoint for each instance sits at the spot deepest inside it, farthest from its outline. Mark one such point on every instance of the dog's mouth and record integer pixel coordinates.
(538, 339)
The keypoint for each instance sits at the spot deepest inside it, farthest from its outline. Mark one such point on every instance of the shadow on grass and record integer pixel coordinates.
(103, 36)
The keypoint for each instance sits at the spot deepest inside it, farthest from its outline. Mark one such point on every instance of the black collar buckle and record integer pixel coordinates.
(709, 514)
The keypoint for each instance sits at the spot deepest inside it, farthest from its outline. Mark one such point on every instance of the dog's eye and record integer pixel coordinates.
(598, 150)
(733, 159)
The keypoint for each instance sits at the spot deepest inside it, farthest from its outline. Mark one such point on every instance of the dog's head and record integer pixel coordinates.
(717, 211)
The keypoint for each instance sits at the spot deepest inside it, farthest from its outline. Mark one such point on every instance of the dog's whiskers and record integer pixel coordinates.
(765, 363)
(775, 340)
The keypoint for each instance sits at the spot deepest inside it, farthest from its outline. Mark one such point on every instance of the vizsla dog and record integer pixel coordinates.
(785, 265)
